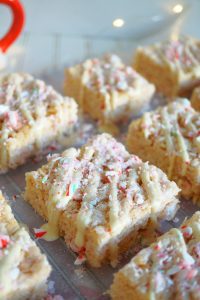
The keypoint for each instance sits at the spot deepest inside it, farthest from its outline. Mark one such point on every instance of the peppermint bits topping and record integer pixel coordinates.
(171, 266)
(39, 233)
(109, 74)
(4, 241)
(186, 231)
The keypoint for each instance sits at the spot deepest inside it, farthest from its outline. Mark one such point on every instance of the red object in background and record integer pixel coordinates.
(17, 23)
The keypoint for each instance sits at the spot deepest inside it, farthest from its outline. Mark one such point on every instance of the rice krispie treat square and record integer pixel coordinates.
(98, 197)
(169, 138)
(23, 269)
(32, 116)
(108, 90)
(168, 269)
(173, 65)
(195, 99)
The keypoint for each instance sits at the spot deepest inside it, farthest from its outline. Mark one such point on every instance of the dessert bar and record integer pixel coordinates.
(23, 269)
(172, 65)
(108, 90)
(168, 269)
(99, 197)
(32, 116)
(169, 138)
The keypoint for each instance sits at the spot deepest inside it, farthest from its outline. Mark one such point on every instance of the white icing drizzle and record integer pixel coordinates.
(167, 130)
(152, 186)
(3, 140)
(114, 204)
(57, 198)
(182, 149)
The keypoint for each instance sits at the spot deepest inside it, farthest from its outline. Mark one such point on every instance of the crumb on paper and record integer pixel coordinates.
(176, 220)
(15, 196)
(51, 287)
(56, 297)
(80, 260)
(51, 292)
(80, 272)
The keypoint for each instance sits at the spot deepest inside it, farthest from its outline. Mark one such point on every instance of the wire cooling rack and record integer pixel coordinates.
(67, 279)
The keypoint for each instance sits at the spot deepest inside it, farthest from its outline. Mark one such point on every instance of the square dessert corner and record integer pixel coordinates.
(168, 269)
(107, 89)
(23, 269)
(195, 99)
(99, 197)
(169, 138)
(172, 65)
(32, 116)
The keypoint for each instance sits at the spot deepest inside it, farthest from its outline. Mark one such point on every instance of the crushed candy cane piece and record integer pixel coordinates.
(68, 190)
(74, 187)
(44, 179)
(80, 260)
(13, 120)
(158, 246)
(71, 188)
(39, 233)
(191, 274)
(187, 231)
(173, 270)
(4, 241)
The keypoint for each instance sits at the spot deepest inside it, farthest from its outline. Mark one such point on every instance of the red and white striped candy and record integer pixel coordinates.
(39, 233)
(4, 241)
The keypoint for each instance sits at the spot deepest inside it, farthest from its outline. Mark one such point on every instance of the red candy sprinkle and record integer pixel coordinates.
(183, 227)
(52, 148)
(157, 247)
(39, 233)
(81, 256)
(186, 231)
(82, 251)
(4, 241)
(68, 190)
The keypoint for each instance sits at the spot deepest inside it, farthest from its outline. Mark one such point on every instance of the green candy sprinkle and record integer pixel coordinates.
(44, 179)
